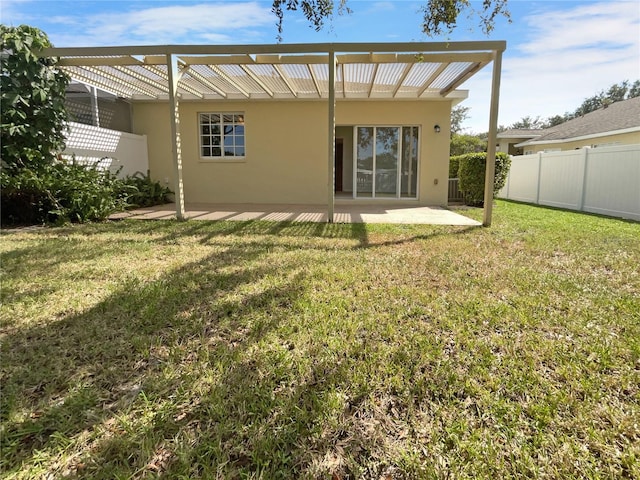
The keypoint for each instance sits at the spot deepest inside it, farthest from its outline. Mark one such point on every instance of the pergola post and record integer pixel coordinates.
(173, 77)
(95, 112)
(331, 134)
(490, 169)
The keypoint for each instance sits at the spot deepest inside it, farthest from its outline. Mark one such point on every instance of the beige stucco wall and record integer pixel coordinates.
(608, 140)
(286, 148)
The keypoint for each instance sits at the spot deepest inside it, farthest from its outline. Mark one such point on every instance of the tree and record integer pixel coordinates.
(458, 115)
(615, 93)
(461, 144)
(438, 16)
(528, 123)
(32, 101)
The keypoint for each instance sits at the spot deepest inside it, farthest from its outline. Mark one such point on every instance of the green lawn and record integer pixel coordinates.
(281, 350)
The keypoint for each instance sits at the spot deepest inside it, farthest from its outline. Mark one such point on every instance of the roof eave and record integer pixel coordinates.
(581, 137)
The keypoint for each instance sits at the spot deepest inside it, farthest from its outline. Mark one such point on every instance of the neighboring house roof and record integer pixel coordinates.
(520, 133)
(619, 117)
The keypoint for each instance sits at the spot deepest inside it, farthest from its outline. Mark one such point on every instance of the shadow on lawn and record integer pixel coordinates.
(128, 379)
(174, 376)
(84, 371)
(209, 230)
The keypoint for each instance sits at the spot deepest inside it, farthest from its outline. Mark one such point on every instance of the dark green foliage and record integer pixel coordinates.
(441, 16)
(67, 191)
(438, 16)
(32, 101)
(140, 191)
(471, 172)
(461, 144)
(37, 186)
(64, 191)
(454, 164)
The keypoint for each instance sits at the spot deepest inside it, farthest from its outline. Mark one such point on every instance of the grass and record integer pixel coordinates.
(279, 350)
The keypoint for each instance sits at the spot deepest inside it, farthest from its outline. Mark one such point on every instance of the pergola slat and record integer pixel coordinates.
(285, 79)
(468, 73)
(228, 79)
(204, 81)
(256, 79)
(406, 71)
(121, 81)
(432, 78)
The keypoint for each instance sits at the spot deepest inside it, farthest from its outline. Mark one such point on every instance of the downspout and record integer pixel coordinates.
(490, 170)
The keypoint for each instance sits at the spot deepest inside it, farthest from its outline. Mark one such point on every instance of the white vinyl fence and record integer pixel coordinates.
(604, 180)
(109, 149)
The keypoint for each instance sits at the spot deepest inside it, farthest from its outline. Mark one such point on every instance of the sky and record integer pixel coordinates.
(558, 52)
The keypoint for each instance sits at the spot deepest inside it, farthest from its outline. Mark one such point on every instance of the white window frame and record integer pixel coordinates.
(222, 157)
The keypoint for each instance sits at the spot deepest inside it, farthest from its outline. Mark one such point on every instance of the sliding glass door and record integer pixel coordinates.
(386, 162)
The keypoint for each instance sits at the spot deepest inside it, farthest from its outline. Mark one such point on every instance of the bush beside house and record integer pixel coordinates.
(36, 184)
(471, 173)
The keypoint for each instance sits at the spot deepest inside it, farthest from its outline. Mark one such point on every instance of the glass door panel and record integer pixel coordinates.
(386, 161)
(409, 170)
(365, 162)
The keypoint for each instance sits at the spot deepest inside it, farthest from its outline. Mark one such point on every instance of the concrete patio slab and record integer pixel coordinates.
(305, 213)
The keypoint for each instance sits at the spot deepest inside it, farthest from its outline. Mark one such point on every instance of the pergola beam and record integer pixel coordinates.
(468, 73)
(315, 80)
(432, 79)
(373, 79)
(293, 48)
(292, 59)
(122, 60)
(217, 60)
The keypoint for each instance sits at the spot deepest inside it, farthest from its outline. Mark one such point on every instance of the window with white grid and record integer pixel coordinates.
(222, 135)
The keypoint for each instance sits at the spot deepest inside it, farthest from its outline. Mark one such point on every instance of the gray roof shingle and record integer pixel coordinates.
(617, 116)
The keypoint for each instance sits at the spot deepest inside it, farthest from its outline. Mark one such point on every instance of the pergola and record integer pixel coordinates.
(324, 72)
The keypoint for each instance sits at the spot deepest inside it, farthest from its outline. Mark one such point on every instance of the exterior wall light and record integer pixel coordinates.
(436, 128)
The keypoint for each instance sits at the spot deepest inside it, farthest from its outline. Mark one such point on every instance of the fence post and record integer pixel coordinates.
(539, 177)
(583, 190)
(506, 187)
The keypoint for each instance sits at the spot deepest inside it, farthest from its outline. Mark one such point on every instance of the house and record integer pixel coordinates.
(508, 139)
(614, 124)
(293, 124)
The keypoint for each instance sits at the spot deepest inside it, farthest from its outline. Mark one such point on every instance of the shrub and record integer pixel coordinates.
(64, 191)
(67, 191)
(471, 172)
(140, 191)
(454, 163)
